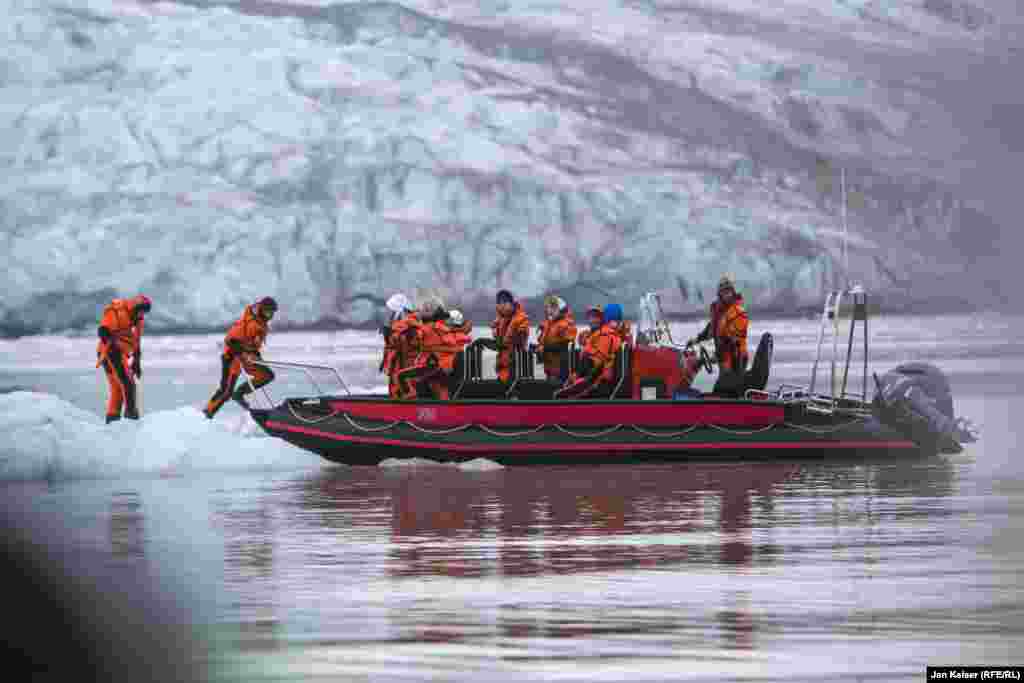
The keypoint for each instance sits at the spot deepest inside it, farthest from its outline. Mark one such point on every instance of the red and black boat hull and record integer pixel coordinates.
(367, 430)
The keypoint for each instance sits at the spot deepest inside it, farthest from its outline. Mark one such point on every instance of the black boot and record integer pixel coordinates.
(239, 397)
(113, 418)
(131, 415)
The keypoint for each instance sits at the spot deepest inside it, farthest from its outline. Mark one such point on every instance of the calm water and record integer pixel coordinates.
(866, 570)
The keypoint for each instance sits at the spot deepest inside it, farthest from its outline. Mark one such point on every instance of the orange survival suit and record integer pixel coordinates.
(728, 327)
(597, 365)
(553, 339)
(120, 333)
(398, 350)
(437, 344)
(509, 332)
(242, 346)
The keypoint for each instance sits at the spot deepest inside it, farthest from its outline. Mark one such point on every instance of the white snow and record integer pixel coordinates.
(47, 437)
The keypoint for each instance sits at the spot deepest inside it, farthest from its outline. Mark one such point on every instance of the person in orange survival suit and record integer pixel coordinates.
(438, 341)
(242, 346)
(553, 338)
(511, 328)
(398, 352)
(728, 327)
(120, 333)
(597, 364)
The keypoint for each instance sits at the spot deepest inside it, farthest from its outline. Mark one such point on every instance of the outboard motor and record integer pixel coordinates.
(915, 398)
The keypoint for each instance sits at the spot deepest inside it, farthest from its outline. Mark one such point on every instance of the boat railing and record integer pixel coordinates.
(306, 368)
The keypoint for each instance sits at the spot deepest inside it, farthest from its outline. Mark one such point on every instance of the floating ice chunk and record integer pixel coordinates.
(480, 465)
(474, 465)
(410, 462)
(47, 437)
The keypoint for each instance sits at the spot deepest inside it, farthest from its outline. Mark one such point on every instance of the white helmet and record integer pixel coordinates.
(456, 317)
(398, 303)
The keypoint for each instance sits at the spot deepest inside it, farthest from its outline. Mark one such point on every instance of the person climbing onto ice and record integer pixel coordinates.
(242, 346)
(120, 333)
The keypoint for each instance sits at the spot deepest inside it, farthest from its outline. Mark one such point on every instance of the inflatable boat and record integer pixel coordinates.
(649, 415)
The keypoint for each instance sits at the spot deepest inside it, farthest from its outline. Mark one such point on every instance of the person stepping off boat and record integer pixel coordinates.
(120, 333)
(242, 346)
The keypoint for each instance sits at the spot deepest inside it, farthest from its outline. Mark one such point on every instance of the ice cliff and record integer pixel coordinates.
(330, 154)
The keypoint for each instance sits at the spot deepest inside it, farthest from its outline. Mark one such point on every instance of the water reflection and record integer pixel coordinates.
(657, 558)
(127, 527)
(566, 520)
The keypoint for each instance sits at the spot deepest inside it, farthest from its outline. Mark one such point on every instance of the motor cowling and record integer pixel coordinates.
(916, 398)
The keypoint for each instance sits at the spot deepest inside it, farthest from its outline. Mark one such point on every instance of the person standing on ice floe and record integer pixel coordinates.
(397, 348)
(728, 327)
(242, 351)
(120, 333)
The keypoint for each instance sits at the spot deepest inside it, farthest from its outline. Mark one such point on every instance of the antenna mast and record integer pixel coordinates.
(846, 269)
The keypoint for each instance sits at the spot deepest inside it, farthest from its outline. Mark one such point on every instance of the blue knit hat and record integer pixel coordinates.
(613, 312)
(505, 297)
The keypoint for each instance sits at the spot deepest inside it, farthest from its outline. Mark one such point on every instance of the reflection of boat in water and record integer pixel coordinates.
(646, 417)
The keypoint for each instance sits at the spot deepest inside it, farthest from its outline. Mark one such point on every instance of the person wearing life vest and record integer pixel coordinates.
(613, 323)
(594, 319)
(242, 346)
(398, 351)
(596, 374)
(554, 336)
(622, 327)
(438, 340)
(510, 329)
(120, 333)
(728, 328)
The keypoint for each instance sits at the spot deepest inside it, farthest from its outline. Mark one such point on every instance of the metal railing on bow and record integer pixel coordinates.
(306, 368)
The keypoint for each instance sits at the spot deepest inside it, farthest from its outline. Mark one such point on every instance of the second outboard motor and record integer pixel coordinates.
(916, 398)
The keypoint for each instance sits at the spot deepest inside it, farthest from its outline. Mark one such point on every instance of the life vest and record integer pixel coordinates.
(558, 331)
(439, 344)
(250, 331)
(602, 347)
(729, 326)
(398, 348)
(117, 318)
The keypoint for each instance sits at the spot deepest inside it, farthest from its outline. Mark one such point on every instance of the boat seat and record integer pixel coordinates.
(623, 370)
(483, 389)
(756, 376)
(536, 390)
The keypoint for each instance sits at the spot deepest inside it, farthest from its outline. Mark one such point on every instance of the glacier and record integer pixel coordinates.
(208, 153)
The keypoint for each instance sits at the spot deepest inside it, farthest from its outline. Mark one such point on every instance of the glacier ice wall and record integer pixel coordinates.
(209, 153)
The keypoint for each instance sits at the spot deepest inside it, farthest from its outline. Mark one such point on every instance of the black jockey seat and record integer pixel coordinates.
(757, 376)
(475, 387)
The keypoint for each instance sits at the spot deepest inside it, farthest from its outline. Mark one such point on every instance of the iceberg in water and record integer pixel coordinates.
(45, 437)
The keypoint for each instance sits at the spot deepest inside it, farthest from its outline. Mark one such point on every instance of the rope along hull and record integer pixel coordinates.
(367, 431)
